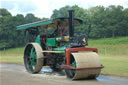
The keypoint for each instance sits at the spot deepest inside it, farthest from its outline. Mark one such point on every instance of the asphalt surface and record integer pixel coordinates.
(14, 74)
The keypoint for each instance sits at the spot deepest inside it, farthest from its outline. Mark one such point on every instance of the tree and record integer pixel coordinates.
(62, 12)
(98, 22)
(95, 19)
(125, 22)
(31, 18)
(79, 13)
(5, 16)
(113, 20)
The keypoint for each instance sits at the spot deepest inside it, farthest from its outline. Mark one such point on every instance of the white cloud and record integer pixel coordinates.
(44, 8)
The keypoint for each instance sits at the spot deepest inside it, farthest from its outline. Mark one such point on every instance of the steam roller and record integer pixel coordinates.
(53, 43)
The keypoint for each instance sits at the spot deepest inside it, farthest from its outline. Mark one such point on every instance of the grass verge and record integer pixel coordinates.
(115, 65)
(12, 52)
(12, 59)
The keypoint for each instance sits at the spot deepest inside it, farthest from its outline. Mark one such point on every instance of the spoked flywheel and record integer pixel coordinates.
(33, 58)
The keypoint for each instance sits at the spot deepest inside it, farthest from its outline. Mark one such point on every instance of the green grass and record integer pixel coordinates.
(13, 55)
(11, 59)
(113, 54)
(12, 51)
(111, 46)
(109, 41)
(115, 65)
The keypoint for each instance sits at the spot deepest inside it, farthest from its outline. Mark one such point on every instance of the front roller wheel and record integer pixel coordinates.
(71, 72)
(84, 60)
(33, 58)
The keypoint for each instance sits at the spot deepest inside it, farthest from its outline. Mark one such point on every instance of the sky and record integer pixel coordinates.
(44, 8)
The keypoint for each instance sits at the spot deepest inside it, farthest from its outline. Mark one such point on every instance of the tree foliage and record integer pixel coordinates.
(98, 22)
(9, 36)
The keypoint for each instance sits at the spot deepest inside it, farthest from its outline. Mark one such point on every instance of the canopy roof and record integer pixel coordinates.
(49, 23)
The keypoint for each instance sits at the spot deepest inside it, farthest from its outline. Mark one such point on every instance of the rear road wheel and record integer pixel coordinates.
(33, 58)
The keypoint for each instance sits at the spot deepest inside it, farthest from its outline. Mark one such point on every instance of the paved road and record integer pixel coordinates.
(13, 74)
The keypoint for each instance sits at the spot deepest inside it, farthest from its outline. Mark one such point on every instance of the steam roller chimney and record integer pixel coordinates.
(71, 23)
